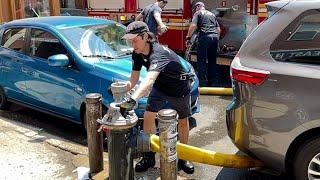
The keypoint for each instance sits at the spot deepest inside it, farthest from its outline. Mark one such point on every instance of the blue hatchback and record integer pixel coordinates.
(51, 63)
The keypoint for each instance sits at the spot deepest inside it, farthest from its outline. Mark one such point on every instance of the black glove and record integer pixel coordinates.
(126, 105)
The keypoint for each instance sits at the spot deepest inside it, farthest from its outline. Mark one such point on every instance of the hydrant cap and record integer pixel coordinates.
(119, 87)
(93, 98)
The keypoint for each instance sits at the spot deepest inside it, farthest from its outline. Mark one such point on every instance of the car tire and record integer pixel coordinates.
(304, 160)
(4, 103)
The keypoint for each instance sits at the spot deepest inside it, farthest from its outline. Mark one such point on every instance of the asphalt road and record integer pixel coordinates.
(209, 134)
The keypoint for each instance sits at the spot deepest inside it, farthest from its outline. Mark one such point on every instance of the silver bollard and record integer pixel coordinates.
(168, 120)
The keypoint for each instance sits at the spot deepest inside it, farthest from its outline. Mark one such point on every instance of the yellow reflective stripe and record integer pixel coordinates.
(174, 20)
(177, 24)
(262, 6)
(263, 10)
(263, 14)
(181, 28)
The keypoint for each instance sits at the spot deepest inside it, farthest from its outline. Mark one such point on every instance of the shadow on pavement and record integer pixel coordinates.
(47, 123)
(240, 174)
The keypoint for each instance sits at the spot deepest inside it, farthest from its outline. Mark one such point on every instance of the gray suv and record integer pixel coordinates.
(275, 112)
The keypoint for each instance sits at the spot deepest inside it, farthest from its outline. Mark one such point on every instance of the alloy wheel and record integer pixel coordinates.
(314, 168)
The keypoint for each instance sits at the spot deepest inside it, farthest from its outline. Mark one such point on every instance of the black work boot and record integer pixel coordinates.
(186, 166)
(147, 161)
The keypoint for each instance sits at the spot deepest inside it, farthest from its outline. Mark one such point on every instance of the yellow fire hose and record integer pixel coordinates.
(215, 91)
(195, 154)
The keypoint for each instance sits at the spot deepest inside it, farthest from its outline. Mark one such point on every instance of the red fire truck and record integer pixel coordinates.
(177, 16)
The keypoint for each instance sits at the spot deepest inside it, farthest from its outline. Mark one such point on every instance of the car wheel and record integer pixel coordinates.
(307, 160)
(4, 103)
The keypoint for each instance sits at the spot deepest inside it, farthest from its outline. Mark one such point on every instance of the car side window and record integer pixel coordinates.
(43, 44)
(300, 41)
(14, 39)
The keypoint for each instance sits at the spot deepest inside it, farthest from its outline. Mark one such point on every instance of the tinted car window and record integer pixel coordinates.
(14, 39)
(299, 42)
(44, 44)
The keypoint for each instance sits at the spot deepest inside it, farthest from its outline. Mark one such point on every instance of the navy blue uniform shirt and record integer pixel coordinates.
(168, 63)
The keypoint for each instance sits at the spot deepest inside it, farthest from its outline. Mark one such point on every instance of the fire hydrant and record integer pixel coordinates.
(124, 141)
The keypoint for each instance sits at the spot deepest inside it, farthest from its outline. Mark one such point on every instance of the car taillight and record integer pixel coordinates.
(248, 75)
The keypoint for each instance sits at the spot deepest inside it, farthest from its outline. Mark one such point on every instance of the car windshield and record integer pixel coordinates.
(99, 40)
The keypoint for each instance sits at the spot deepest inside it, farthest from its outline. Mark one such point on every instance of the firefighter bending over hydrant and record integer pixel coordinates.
(170, 85)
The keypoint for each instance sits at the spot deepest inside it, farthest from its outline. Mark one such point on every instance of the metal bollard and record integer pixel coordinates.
(94, 138)
(168, 120)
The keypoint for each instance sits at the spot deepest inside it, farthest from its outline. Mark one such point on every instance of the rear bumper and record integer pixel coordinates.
(237, 130)
(253, 139)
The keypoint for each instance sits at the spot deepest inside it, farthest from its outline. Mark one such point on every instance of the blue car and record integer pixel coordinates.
(51, 63)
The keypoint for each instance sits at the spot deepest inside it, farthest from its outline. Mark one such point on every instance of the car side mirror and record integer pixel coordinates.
(58, 60)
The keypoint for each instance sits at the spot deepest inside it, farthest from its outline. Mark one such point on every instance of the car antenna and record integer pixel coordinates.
(35, 12)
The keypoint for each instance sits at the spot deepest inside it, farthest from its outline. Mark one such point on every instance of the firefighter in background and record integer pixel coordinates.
(208, 30)
(170, 86)
(34, 10)
(151, 15)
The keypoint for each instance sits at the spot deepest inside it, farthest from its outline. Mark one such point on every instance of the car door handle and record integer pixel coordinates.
(15, 59)
(78, 89)
(24, 70)
(71, 79)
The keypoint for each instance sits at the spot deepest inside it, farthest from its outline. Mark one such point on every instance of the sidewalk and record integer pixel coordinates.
(29, 153)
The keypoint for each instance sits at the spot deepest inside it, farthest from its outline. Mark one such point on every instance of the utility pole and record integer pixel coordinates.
(1, 15)
(54, 7)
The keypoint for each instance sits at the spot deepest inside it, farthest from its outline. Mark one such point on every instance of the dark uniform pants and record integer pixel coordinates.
(207, 50)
